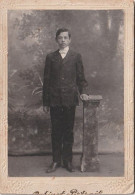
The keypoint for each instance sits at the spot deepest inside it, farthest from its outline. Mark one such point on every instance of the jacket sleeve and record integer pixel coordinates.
(46, 98)
(81, 81)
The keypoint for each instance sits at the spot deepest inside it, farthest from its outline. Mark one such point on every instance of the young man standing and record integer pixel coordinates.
(63, 78)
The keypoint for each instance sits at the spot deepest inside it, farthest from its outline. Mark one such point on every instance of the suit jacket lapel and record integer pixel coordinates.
(68, 56)
(57, 57)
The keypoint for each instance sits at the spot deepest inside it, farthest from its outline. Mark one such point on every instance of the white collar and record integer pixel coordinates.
(64, 50)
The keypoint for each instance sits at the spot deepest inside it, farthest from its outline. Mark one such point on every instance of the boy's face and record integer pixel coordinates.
(63, 40)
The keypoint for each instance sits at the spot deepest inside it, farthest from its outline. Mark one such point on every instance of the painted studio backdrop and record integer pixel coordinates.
(98, 36)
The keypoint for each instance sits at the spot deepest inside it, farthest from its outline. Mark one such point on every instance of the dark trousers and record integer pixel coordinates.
(62, 119)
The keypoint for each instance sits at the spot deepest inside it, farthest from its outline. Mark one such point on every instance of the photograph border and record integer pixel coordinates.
(59, 185)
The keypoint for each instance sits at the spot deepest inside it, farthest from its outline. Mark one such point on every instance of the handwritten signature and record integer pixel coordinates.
(72, 192)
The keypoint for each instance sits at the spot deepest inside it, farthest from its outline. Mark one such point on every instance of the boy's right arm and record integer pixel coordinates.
(46, 81)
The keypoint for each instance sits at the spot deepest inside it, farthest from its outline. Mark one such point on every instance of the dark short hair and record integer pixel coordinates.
(60, 30)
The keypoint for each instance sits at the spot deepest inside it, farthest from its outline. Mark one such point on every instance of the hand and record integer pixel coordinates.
(46, 109)
(84, 97)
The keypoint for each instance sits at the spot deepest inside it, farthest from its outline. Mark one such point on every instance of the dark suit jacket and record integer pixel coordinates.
(62, 79)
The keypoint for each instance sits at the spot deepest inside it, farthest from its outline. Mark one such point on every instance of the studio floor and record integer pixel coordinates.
(111, 165)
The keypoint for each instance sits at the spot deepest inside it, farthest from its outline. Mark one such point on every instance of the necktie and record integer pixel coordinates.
(63, 53)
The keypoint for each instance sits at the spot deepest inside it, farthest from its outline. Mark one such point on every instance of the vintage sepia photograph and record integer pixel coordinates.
(65, 110)
(67, 103)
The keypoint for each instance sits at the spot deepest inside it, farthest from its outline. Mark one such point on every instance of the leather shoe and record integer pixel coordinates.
(53, 167)
(68, 166)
